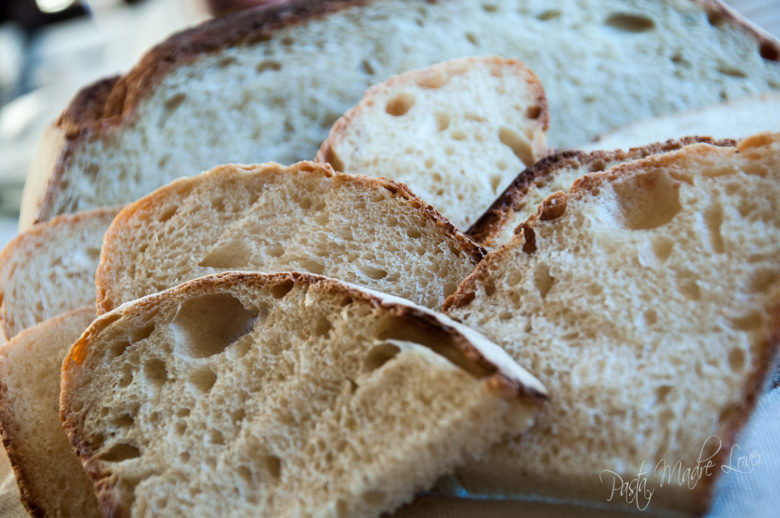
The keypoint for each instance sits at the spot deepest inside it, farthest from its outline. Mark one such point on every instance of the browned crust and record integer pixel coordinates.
(33, 234)
(495, 378)
(769, 348)
(500, 212)
(340, 127)
(103, 278)
(89, 115)
(29, 498)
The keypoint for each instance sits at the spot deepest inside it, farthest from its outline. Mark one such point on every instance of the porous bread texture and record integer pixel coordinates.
(260, 86)
(50, 269)
(51, 480)
(735, 119)
(281, 395)
(305, 217)
(456, 133)
(557, 172)
(648, 301)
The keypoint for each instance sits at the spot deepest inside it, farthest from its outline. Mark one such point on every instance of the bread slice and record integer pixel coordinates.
(554, 173)
(734, 119)
(456, 133)
(51, 479)
(266, 84)
(283, 395)
(50, 269)
(305, 217)
(647, 299)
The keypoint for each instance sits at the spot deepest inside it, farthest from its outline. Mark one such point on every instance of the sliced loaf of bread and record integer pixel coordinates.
(647, 299)
(266, 84)
(456, 133)
(305, 217)
(50, 269)
(557, 172)
(282, 395)
(51, 480)
(735, 119)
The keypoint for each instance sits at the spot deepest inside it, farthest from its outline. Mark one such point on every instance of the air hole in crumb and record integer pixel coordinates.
(769, 51)
(127, 376)
(651, 317)
(517, 144)
(268, 65)
(542, 279)
(322, 326)
(737, 359)
(273, 465)
(495, 182)
(648, 200)
(762, 279)
(207, 324)
(311, 265)
(244, 473)
(533, 111)
(429, 162)
(471, 38)
(549, 14)
(458, 134)
(731, 72)
(155, 371)
(120, 452)
(281, 289)
(374, 498)
(174, 102)
(168, 214)
(203, 379)
(449, 288)
(333, 159)
(216, 437)
(432, 79)
(119, 347)
(226, 62)
(379, 355)
(373, 273)
(750, 321)
(662, 392)
(413, 233)
(489, 8)
(714, 218)
(143, 333)
(689, 288)
(442, 121)
(630, 22)
(123, 421)
(662, 247)
(400, 104)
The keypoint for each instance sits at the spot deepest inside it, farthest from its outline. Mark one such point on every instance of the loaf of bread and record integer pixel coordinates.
(50, 269)
(646, 300)
(456, 133)
(734, 119)
(557, 172)
(305, 217)
(266, 84)
(51, 479)
(282, 395)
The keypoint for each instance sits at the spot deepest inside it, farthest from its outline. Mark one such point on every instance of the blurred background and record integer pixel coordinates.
(51, 48)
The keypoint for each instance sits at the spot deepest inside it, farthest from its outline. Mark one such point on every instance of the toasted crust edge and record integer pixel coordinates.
(18, 243)
(762, 367)
(29, 496)
(103, 279)
(342, 125)
(500, 373)
(487, 227)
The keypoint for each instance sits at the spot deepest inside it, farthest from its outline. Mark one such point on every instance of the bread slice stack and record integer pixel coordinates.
(557, 172)
(456, 133)
(305, 217)
(646, 299)
(50, 269)
(282, 395)
(51, 479)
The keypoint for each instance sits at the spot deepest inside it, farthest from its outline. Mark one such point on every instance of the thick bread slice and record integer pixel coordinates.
(267, 84)
(51, 479)
(282, 395)
(648, 301)
(735, 119)
(456, 133)
(305, 217)
(50, 269)
(557, 172)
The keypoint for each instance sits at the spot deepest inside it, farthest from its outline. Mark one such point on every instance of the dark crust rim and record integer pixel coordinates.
(487, 227)
(104, 479)
(103, 278)
(108, 103)
(769, 349)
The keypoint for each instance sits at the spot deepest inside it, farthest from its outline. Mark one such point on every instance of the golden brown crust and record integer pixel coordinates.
(34, 233)
(30, 498)
(183, 185)
(489, 225)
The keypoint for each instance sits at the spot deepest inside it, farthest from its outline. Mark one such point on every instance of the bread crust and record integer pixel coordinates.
(480, 357)
(463, 242)
(30, 498)
(23, 240)
(769, 349)
(487, 227)
(106, 106)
